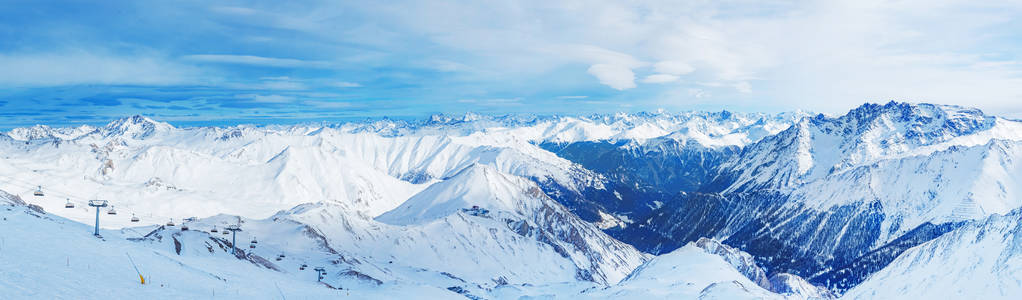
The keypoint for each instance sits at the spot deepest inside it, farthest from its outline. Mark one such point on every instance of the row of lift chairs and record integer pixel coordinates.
(112, 211)
(184, 226)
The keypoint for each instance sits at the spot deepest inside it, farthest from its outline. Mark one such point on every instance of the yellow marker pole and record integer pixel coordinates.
(140, 278)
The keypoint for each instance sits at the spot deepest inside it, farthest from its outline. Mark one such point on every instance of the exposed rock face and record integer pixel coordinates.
(10, 199)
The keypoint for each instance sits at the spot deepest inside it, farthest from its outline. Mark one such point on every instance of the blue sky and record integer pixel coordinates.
(217, 62)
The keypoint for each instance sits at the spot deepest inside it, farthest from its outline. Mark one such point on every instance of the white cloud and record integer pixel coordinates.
(816, 55)
(77, 67)
(616, 76)
(661, 78)
(346, 84)
(329, 104)
(673, 67)
(743, 87)
(266, 98)
(256, 61)
(493, 101)
(698, 93)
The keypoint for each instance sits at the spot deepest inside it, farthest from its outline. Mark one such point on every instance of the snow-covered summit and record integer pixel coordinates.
(135, 127)
(479, 186)
(481, 193)
(819, 146)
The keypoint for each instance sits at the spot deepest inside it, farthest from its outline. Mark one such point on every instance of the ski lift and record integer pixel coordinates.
(112, 211)
(321, 272)
(39, 192)
(252, 245)
(69, 204)
(170, 223)
(254, 241)
(214, 229)
(134, 219)
(303, 267)
(226, 232)
(184, 226)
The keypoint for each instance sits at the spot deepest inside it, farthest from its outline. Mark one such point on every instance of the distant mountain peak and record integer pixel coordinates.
(136, 127)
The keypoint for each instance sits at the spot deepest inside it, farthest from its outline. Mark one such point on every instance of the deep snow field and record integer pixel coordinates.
(884, 202)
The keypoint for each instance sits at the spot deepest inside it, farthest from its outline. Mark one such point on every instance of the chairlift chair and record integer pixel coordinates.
(39, 192)
(170, 223)
(214, 229)
(134, 219)
(112, 211)
(184, 226)
(69, 204)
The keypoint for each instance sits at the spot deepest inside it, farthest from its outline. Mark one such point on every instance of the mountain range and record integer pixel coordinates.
(885, 200)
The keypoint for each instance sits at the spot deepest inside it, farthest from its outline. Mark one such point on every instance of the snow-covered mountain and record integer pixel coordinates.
(817, 147)
(797, 205)
(176, 262)
(482, 191)
(707, 269)
(982, 259)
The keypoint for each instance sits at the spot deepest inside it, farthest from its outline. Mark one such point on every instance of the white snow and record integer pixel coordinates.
(982, 260)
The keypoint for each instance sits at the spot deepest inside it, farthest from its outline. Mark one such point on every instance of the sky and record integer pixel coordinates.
(222, 62)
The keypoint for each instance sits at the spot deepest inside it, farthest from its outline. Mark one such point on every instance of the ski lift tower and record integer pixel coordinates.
(319, 273)
(234, 237)
(97, 204)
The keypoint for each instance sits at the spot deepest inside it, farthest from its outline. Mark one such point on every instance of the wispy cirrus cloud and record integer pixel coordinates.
(256, 61)
(81, 67)
(417, 57)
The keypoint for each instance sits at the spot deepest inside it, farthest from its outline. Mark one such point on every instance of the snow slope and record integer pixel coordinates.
(482, 192)
(814, 148)
(981, 260)
(48, 257)
(392, 201)
(686, 273)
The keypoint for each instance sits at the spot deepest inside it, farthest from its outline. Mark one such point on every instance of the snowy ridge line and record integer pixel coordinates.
(709, 128)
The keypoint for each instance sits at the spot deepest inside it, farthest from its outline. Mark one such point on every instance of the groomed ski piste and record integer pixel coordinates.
(485, 207)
